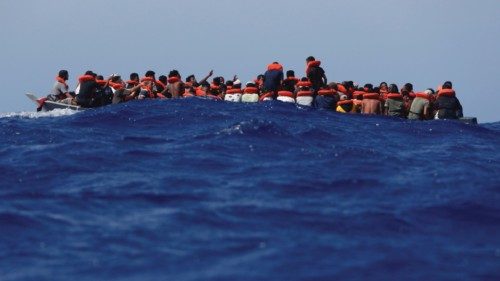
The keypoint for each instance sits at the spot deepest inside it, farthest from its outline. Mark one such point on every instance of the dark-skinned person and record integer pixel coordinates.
(315, 73)
(447, 104)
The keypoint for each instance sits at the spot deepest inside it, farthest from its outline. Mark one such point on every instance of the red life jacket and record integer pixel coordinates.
(172, 80)
(101, 82)
(373, 96)
(304, 94)
(285, 94)
(266, 95)
(86, 78)
(116, 86)
(326, 92)
(341, 88)
(147, 79)
(395, 96)
(357, 94)
(342, 102)
(312, 64)
(234, 91)
(422, 95)
(251, 90)
(446, 93)
(275, 66)
(304, 84)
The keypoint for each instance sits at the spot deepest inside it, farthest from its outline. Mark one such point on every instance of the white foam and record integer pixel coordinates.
(34, 114)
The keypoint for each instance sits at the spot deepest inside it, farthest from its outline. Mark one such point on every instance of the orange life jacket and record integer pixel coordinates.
(373, 96)
(172, 80)
(275, 66)
(304, 94)
(266, 95)
(146, 79)
(285, 94)
(312, 64)
(357, 94)
(86, 78)
(101, 82)
(304, 84)
(395, 96)
(251, 90)
(422, 95)
(116, 86)
(446, 93)
(234, 91)
(326, 92)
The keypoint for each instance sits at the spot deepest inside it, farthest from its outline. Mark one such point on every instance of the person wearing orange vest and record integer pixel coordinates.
(315, 73)
(420, 106)
(447, 104)
(371, 102)
(394, 105)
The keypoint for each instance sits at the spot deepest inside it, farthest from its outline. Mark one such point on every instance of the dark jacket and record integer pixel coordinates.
(272, 80)
(448, 107)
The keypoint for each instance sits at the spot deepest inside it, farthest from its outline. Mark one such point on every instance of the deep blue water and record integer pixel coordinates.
(204, 190)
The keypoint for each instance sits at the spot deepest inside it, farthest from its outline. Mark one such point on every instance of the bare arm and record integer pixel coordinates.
(206, 77)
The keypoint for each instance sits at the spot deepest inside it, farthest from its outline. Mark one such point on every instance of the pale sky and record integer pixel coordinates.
(425, 42)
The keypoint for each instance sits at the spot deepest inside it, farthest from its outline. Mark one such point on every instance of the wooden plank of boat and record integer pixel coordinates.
(51, 105)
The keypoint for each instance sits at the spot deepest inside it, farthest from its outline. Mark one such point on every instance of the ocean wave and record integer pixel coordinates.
(40, 114)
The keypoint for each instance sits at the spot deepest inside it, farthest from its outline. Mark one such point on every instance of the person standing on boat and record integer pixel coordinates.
(273, 78)
(315, 73)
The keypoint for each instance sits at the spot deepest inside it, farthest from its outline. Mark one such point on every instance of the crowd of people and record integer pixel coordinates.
(311, 90)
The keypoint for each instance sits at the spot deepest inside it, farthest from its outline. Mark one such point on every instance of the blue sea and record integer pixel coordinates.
(203, 190)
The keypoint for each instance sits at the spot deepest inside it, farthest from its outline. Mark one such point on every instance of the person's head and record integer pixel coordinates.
(376, 90)
(408, 87)
(447, 85)
(260, 77)
(89, 72)
(150, 73)
(134, 76)
(290, 73)
(310, 59)
(229, 83)
(205, 86)
(63, 74)
(217, 81)
(333, 86)
(174, 73)
(163, 79)
(393, 88)
(191, 78)
(116, 79)
(368, 88)
(430, 91)
(250, 84)
(99, 77)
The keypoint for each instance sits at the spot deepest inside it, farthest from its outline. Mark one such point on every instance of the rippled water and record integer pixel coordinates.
(205, 190)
